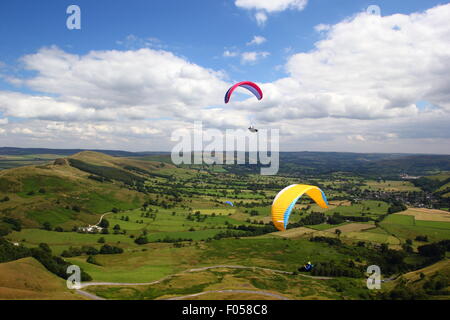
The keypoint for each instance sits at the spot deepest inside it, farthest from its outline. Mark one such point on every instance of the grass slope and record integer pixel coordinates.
(27, 279)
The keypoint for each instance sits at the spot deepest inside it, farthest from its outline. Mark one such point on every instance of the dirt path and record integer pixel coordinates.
(101, 218)
(89, 295)
(94, 297)
(262, 293)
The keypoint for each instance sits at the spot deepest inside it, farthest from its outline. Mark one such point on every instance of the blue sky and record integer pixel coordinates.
(199, 30)
(347, 91)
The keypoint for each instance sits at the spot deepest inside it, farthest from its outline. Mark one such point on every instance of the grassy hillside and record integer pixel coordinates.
(171, 219)
(64, 195)
(28, 279)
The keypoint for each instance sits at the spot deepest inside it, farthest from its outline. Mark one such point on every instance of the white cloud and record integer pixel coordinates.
(366, 69)
(133, 42)
(107, 85)
(25, 131)
(261, 18)
(230, 54)
(263, 7)
(322, 27)
(257, 40)
(253, 56)
(357, 137)
(271, 5)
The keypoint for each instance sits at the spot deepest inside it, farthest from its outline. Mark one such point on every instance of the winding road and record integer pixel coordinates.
(101, 218)
(270, 294)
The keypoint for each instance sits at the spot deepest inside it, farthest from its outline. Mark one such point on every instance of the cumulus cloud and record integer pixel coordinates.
(133, 42)
(322, 27)
(105, 85)
(253, 56)
(261, 18)
(230, 54)
(263, 7)
(257, 40)
(271, 5)
(366, 69)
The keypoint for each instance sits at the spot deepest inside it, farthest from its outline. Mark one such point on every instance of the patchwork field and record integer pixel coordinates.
(352, 227)
(371, 237)
(406, 227)
(391, 186)
(294, 232)
(428, 214)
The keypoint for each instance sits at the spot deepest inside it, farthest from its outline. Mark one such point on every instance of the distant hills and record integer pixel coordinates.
(68, 152)
(386, 165)
(368, 164)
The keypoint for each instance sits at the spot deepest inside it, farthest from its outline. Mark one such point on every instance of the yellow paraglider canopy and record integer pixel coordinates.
(285, 201)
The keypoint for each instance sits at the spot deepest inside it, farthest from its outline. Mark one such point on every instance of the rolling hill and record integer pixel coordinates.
(74, 190)
(27, 279)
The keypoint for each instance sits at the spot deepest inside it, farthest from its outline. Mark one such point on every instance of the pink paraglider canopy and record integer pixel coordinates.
(250, 86)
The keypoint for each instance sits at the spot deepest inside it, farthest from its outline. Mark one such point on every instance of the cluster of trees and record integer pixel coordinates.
(91, 251)
(422, 238)
(108, 173)
(98, 178)
(334, 269)
(245, 231)
(397, 206)
(169, 204)
(312, 219)
(429, 185)
(7, 225)
(149, 215)
(168, 239)
(330, 241)
(254, 213)
(32, 192)
(142, 239)
(196, 217)
(435, 251)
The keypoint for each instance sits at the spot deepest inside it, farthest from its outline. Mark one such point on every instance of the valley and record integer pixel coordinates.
(156, 223)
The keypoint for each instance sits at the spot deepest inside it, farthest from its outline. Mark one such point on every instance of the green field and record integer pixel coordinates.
(369, 208)
(407, 227)
(391, 186)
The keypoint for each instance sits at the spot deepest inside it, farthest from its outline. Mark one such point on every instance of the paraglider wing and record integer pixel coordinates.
(285, 201)
(250, 86)
(230, 203)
